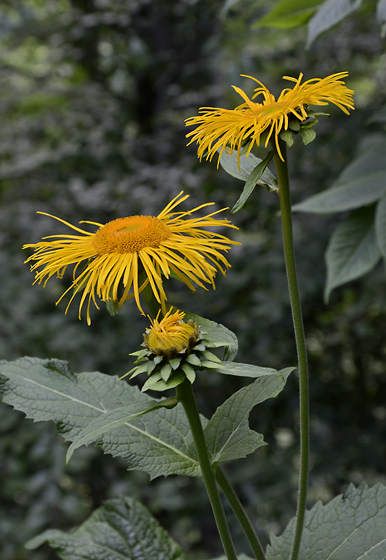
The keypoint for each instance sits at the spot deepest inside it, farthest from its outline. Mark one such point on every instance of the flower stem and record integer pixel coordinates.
(286, 217)
(186, 396)
(240, 513)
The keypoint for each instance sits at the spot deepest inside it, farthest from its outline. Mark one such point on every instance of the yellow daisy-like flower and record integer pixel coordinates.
(171, 334)
(119, 251)
(222, 129)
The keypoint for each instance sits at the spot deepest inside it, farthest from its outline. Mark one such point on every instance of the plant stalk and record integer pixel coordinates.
(286, 217)
(240, 513)
(186, 396)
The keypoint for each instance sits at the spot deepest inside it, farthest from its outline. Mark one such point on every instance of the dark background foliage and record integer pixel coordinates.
(94, 97)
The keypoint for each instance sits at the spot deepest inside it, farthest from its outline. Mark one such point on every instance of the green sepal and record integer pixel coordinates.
(165, 372)
(158, 359)
(294, 125)
(112, 307)
(200, 347)
(210, 356)
(189, 372)
(308, 135)
(194, 360)
(155, 383)
(210, 365)
(286, 136)
(175, 362)
(150, 366)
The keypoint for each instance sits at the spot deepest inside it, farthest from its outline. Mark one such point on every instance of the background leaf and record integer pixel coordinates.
(158, 443)
(362, 182)
(350, 527)
(329, 14)
(120, 528)
(352, 250)
(289, 13)
(227, 433)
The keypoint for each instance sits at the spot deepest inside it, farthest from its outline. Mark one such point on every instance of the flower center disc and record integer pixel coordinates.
(130, 235)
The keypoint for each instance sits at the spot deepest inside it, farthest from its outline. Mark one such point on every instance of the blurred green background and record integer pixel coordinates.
(94, 94)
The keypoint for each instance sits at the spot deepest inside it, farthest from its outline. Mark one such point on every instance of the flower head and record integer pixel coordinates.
(170, 335)
(129, 253)
(174, 349)
(219, 129)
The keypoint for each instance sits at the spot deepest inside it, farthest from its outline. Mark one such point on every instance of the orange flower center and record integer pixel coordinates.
(130, 235)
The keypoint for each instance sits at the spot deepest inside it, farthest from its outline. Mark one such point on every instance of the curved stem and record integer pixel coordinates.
(240, 513)
(186, 396)
(286, 217)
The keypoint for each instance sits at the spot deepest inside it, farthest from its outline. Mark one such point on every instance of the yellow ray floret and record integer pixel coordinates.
(171, 333)
(229, 129)
(119, 252)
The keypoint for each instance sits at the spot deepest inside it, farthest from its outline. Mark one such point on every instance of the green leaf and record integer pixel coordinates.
(252, 181)
(350, 527)
(158, 443)
(362, 182)
(380, 225)
(119, 529)
(230, 164)
(287, 137)
(346, 196)
(329, 14)
(352, 250)
(113, 419)
(289, 13)
(308, 135)
(227, 433)
(246, 370)
(218, 334)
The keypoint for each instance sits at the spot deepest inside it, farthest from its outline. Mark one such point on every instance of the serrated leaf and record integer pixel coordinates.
(352, 250)
(350, 527)
(247, 370)
(227, 433)
(218, 334)
(120, 528)
(251, 182)
(380, 225)
(159, 443)
(329, 14)
(289, 13)
(230, 164)
(113, 419)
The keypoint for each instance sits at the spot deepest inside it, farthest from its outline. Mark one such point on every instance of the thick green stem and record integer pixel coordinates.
(240, 513)
(186, 397)
(286, 217)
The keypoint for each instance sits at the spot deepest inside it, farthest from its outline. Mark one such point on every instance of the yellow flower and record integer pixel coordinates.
(171, 335)
(222, 129)
(122, 250)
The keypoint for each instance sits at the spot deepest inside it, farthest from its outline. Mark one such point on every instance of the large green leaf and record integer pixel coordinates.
(352, 250)
(227, 433)
(159, 443)
(350, 527)
(329, 14)
(218, 334)
(380, 225)
(242, 166)
(119, 529)
(289, 13)
(114, 419)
